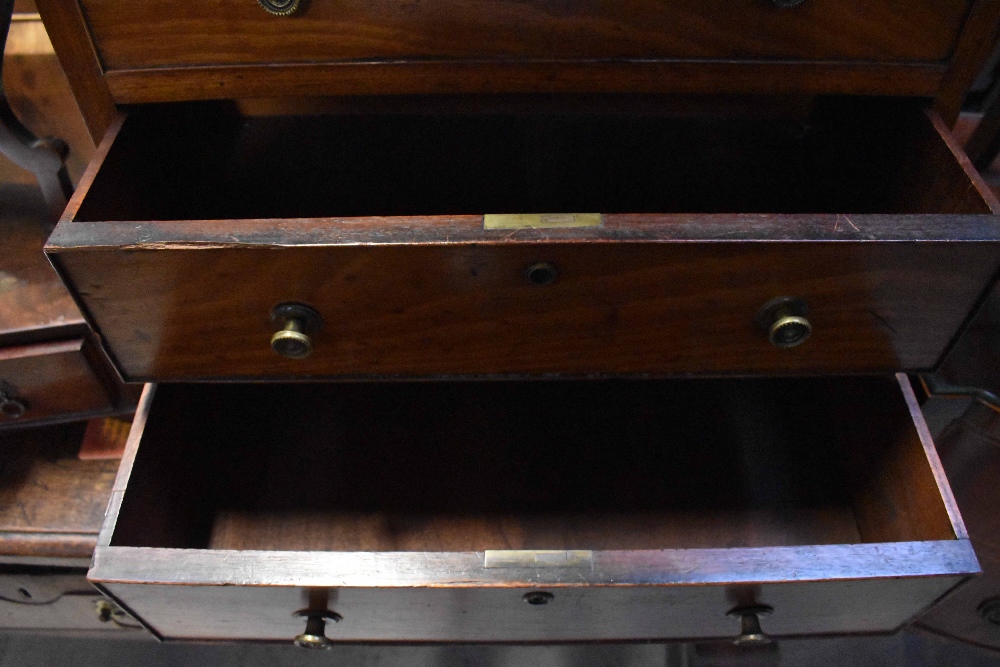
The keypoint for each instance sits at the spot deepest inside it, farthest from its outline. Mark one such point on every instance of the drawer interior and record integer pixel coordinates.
(829, 155)
(473, 466)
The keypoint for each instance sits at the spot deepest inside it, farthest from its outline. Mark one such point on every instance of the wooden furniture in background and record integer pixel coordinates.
(51, 508)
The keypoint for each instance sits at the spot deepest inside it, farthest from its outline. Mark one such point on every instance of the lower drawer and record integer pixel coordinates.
(518, 511)
(49, 380)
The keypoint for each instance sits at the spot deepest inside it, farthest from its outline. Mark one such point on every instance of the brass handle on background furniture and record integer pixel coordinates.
(280, 7)
(314, 636)
(297, 322)
(750, 632)
(11, 406)
(784, 320)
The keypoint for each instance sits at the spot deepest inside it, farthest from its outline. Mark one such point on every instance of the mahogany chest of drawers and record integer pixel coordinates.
(526, 321)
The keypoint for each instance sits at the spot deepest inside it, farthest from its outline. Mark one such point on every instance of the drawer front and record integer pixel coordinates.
(465, 526)
(228, 32)
(178, 310)
(268, 613)
(179, 254)
(49, 380)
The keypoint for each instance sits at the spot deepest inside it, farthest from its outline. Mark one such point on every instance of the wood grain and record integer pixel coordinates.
(234, 32)
(746, 483)
(51, 503)
(663, 306)
(54, 380)
(662, 292)
(313, 464)
(67, 28)
(490, 77)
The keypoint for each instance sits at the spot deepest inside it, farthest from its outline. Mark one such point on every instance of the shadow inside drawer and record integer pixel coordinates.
(470, 466)
(209, 161)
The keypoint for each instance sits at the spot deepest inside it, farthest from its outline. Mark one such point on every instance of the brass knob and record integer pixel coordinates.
(750, 632)
(314, 636)
(297, 322)
(11, 406)
(280, 7)
(784, 320)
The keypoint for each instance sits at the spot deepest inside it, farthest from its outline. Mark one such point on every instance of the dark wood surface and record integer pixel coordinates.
(47, 352)
(172, 309)
(419, 77)
(670, 293)
(471, 466)
(970, 449)
(51, 503)
(979, 37)
(232, 49)
(54, 379)
(236, 32)
(455, 459)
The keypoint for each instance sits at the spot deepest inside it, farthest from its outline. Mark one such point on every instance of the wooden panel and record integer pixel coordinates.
(978, 39)
(32, 299)
(489, 77)
(424, 492)
(234, 32)
(670, 293)
(970, 449)
(70, 36)
(40, 95)
(464, 614)
(167, 308)
(51, 503)
(760, 449)
(53, 379)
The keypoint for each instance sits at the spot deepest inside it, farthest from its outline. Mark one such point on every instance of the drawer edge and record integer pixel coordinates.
(668, 567)
(129, 86)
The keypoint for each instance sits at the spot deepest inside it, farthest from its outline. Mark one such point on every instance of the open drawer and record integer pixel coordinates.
(196, 224)
(518, 511)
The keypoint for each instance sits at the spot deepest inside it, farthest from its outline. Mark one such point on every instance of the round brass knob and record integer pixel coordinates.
(297, 322)
(789, 331)
(280, 7)
(314, 636)
(784, 320)
(11, 406)
(750, 632)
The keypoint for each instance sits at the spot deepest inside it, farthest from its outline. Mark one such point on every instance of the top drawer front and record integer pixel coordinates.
(196, 225)
(229, 32)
